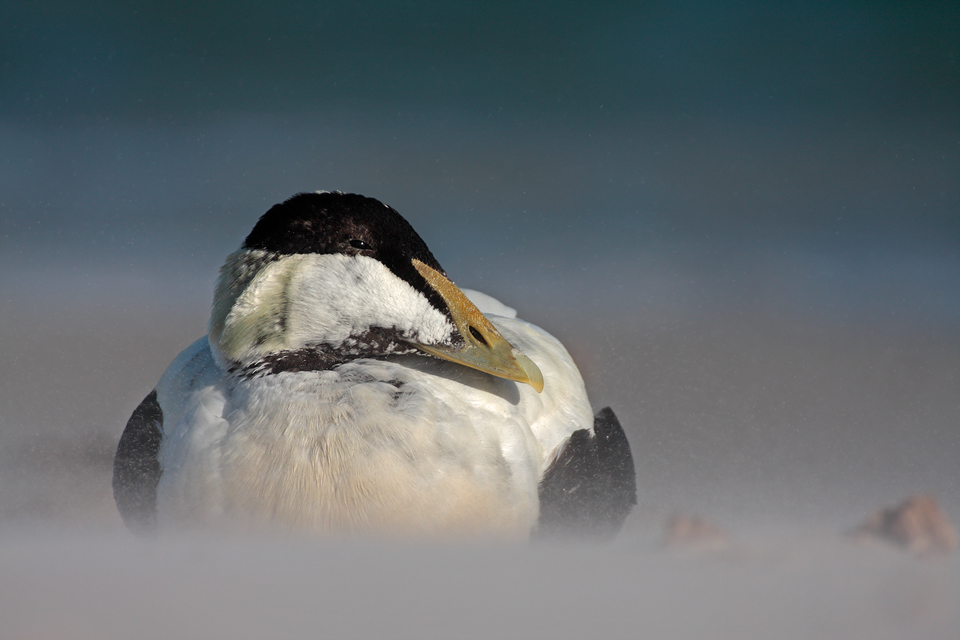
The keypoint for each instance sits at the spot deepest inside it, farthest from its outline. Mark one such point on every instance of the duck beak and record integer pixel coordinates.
(484, 348)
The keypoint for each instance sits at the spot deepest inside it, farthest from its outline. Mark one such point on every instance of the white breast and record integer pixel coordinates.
(403, 445)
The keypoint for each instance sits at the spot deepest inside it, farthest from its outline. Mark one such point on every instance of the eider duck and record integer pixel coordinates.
(346, 386)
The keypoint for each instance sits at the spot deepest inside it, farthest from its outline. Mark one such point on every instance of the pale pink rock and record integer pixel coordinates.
(917, 525)
(695, 532)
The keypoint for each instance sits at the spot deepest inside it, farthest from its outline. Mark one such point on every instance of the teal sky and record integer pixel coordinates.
(606, 128)
(165, 61)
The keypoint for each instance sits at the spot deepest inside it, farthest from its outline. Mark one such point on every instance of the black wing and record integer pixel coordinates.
(591, 486)
(136, 467)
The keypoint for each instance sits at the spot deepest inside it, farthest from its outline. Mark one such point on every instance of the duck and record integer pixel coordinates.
(347, 387)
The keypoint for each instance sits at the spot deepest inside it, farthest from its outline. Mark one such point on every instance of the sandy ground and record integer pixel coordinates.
(787, 435)
(109, 585)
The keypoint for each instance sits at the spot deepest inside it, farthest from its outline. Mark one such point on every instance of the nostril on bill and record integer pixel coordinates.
(479, 337)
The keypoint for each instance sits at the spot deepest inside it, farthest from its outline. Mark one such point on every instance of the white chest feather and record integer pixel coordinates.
(410, 445)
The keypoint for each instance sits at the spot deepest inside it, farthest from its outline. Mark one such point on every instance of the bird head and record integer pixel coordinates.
(325, 278)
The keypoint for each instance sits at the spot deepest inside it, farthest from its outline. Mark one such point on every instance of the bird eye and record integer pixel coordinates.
(359, 244)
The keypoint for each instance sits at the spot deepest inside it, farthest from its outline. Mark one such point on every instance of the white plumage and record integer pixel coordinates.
(312, 405)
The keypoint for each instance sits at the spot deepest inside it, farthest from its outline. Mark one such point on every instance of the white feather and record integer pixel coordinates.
(337, 296)
(265, 305)
(489, 304)
(409, 444)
